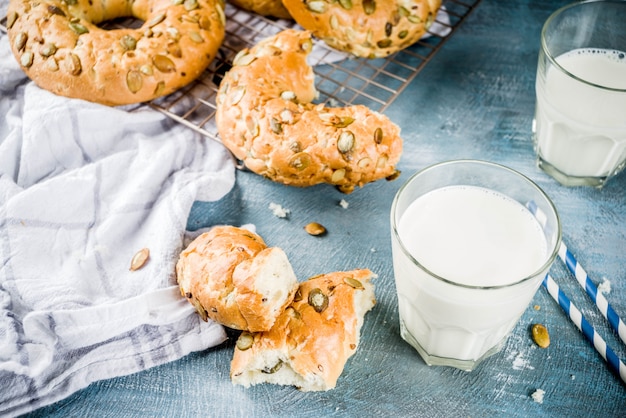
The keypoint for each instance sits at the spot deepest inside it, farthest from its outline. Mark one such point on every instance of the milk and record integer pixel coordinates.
(482, 245)
(580, 128)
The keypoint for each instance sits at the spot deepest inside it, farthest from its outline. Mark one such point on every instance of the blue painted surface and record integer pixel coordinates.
(475, 99)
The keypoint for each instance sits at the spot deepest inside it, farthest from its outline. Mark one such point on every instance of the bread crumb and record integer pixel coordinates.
(538, 395)
(278, 210)
(343, 203)
(605, 287)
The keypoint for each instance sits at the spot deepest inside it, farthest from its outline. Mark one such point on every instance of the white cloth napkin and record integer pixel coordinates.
(83, 187)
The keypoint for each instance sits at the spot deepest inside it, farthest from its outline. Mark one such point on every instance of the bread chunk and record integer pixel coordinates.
(231, 276)
(312, 339)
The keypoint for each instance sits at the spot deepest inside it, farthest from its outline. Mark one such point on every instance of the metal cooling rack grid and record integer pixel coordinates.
(340, 79)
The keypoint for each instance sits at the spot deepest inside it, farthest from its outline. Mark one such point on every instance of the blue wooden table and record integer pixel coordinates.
(475, 99)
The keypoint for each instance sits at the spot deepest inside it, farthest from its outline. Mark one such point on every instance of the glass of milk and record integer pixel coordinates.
(580, 119)
(468, 257)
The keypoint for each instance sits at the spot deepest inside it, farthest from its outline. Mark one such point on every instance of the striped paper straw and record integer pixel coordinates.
(615, 364)
(585, 282)
(592, 291)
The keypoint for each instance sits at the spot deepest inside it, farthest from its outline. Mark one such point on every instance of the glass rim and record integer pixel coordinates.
(546, 50)
(546, 265)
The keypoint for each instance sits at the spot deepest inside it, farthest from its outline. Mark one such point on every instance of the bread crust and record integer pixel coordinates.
(272, 8)
(365, 28)
(230, 276)
(308, 346)
(266, 118)
(61, 48)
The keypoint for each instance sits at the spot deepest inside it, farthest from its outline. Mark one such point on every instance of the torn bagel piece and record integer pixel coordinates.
(311, 341)
(231, 276)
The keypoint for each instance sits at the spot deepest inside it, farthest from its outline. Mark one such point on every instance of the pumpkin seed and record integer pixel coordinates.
(238, 93)
(414, 19)
(146, 69)
(245, 341)
(139, 259)
(20, 41)
(388, 29)
(315, 229)
(384, 43)
(343, 122)
(403, 34)
(47, 50)
(540, 335)
(73, 65)
(243, 58)
(333, 22)
(351, 281)
(78, 28)
(295, 146)
(297, 297)
(393, 176)
(276, 126)
(369, 6)
(163, 64)
(253, 126)
(378, 135)
(156, 20)
(52, 65)
(221, 14)
(128, 43)
(288, 95)
(273, 369)
(190, 5)
(316, 6)
(338, 175)
(11, 18)
(346, 4)
(286, 116)
(196, 37)
(174, 50)
(159, 89)
(26, 59)
(345, 143)
(174, 33)
(204, 23)
(300, 161)
(177, 2)
(364, 162)
(134, 81)
(318, 300)
(54, 10)
(403, 11)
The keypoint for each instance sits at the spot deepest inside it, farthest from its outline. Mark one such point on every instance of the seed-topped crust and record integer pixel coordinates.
(273, 8)
(312, 340)
(266, 118)
(365, 28)
(62, 49)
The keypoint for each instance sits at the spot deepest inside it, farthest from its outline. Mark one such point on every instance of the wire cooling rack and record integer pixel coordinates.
(340, 78)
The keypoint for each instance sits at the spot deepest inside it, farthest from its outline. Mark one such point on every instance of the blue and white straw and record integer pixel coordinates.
(583, 279)
(615, 364)
(592, 291)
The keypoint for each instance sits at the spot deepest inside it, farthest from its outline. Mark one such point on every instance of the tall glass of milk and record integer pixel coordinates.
(468, 257)
(580, 119)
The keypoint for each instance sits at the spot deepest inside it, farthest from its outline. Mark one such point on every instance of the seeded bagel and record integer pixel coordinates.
(60, 46)
(365, 28)
(266, 118)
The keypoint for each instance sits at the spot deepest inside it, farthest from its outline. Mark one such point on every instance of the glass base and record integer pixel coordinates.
(431, 360)
(570, 181)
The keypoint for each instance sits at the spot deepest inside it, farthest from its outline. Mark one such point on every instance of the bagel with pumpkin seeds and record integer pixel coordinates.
(60, 46)
(266, 117)
(365, 28)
